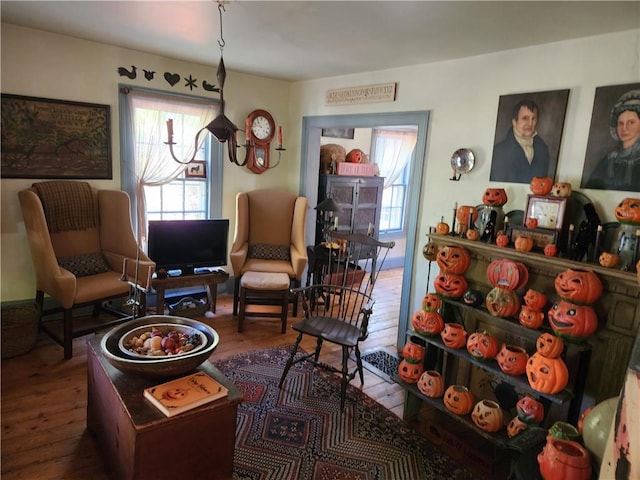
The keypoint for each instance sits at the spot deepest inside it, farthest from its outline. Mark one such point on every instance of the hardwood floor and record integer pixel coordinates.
(44, 397)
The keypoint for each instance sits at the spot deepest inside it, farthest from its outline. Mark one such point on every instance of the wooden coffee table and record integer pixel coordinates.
(138, 442)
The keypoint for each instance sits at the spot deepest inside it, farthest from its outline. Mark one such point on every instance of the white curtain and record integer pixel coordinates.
(153, 164)
(392, 150)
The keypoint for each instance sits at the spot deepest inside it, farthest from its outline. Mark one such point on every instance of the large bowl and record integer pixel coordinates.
(168, 366)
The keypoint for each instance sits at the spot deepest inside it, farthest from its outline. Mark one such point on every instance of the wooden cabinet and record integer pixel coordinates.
(360, 199)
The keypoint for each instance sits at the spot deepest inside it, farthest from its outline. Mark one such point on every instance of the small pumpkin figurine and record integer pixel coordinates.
(516, 426)
(530, 318)
(550, 250)
(530, 410)
(453, 259)
(450, 285)
(472, 234)
(628, 211)
(488, 416)
(482, 345)
(473, 297)
(413, 352)
(454, 335)
(547, 375)
(535, 299)
(541, 185)
(494, 197)
(523, 244)
(512, 359)
(531, 222)
(549, 345)
(442, 227)
(502, 303)
(431, 384)
(561, 189)
(571, 321)
(431, 302)
(464, 212)
(608, 259)
(430, 251)
(564, 460)
(431, 323)
(410, 372)
(458, 399)
(578, 286)
(502, 240)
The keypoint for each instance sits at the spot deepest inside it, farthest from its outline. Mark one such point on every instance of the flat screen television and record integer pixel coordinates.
(185, 247)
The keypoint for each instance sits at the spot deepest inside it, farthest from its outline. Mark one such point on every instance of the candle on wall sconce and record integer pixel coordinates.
(370, 229)
(170, 128)
(280, 136)
(335, 223)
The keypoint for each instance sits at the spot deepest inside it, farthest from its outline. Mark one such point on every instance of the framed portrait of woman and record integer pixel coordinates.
(612, 161)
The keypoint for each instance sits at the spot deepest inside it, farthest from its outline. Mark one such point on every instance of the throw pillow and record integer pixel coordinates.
(84, 265)
(265, 251)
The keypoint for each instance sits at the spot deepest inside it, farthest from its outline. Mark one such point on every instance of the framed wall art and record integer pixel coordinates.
(196, 169)
(347, 133)
(47, 138)
(540, 236)
(549, 212)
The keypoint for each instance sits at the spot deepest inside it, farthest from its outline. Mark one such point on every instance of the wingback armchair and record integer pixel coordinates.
(269, 236)
(79, 238)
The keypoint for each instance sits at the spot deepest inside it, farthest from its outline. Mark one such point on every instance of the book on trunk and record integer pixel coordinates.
(186, 393)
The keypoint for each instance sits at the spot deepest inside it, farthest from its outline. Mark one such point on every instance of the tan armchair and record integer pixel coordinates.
(269, 236)
(79, 237)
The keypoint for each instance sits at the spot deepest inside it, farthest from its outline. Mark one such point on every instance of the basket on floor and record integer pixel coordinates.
(19, 329)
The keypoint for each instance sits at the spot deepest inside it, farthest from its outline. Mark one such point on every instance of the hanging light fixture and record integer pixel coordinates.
(223, 129)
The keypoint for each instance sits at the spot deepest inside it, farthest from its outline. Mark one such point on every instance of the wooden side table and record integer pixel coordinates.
(139, 443)
(211, 280)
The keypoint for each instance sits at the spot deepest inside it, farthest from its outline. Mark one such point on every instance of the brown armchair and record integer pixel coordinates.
(269, 236)
(79, 238)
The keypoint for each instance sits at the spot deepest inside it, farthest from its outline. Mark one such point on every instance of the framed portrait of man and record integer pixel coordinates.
(612, 161)
(528, 133)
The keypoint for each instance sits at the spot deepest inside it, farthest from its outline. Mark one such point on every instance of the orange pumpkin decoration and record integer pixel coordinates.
(512, 359)
(547, 375)
(541, 185)
(550, 250)
(507, 274)
(458, 399)
(430, 251)
(549, 345)
(516, 426)
(609, 260)
(531, 222)
(578, 286)
(431, 302)
(571, 321)
(524, 244)
(410, 372)
(454, 335)
(488, 416)
(495, 197)
(450, 285)
(482, 345)
(472, 234)
(442, 228)
(530, 410)
(502, 240)
(355, 156)
(530, 318)
(427, 323)
(413, 352)
(453, 259)
(564, 460)
(628, 211)
(431, 384)
(561, 189)
(463, 213)
(534, 299)
(502, 303)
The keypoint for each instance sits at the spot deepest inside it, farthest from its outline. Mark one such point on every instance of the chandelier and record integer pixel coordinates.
(223, 129)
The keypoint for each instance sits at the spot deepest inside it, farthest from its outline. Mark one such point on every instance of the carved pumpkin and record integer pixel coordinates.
(531, 222)
(454, 335)
(530, 318)
(523, 244)
(472, 234)
(529, 410)
(473, 297)
(431, 384)
(535, 299)
(550, 250)
(609, 260)
(564, 460)
(561, 189)
(549, 345)
(547, 375)
(442, 228)
(431, 302)
(502, 240)
(482, 345)
(512, 359)
(495, 197)
(463, 213)
(427, 323)
(458, 399)
(410, 372)
(541, 185)
(453, 259)
(413, 352)
(502, 303)
(507, 274)
(487, 415)
(628, 211)
(564, 431)
(430, 251)
(578, 286)
(355, 156)
(515, 427)
(571, 321)
(450, 285)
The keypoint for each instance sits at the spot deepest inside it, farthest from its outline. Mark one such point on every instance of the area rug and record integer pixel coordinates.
(381, 362)
(299, 432)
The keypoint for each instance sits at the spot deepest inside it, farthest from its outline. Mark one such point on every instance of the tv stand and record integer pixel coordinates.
(211, 280)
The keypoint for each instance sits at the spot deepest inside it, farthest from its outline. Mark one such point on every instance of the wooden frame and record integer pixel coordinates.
(48, 138)
(540, 236)
(196, 169)
(347, 133)
(548, 211)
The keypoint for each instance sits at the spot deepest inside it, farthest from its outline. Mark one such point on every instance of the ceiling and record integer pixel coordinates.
(302, 40)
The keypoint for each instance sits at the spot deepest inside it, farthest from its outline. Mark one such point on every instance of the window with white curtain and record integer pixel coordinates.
(392, 149)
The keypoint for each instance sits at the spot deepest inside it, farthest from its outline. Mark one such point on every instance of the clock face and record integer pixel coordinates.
(261, 128)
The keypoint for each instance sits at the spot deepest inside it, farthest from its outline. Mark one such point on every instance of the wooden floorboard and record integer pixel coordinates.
(44, 397)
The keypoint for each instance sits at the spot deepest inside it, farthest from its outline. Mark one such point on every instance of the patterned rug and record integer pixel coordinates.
(299, 432)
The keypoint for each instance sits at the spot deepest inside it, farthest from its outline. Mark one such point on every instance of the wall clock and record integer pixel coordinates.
(260, 132)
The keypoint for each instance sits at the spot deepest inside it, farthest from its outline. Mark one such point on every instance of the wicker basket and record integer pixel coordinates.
(19, 329)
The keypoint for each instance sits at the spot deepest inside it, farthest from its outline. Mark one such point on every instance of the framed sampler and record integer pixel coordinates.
(549, 212)
(540, 236)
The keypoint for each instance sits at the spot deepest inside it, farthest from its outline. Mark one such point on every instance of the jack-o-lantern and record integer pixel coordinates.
(571, 321)
(530, 410)
(578, 286)
(564, 431)
(628, 211)
(453, 259)
(564, 460)
(531, 222)
(482, 345)
(550, 250)
(427, 323)
(430, 251)
(535, 299)
(608, 259)
(463, 213)
(450, 285)
(502, 303)
(454, 335)
(523, 244)
(549, 345)
(495, 197)
(512, 359)
(515, 427)
(561, 189)
(488, 416)
(458, 399)
(507, 274)
(530, 318)
(541, 185)
(442, 228)
(502, 240)
(355, 156)
(473, 297)
(413, 352)
(472, 234)
(431, 302)
(431, 384)
(410, 372)
(547, 375)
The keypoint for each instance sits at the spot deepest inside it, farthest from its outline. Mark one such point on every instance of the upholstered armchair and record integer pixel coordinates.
(80, 239)
(269, 236)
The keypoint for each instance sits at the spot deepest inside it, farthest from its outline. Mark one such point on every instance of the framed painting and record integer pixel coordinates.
(548, 212)
(347, 133)
(47, 138)
(612, 160)
(196, 169)
(527, 137)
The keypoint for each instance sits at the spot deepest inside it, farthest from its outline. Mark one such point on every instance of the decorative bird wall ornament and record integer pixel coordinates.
(209, 87)
(149, 74)
(126, 73)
